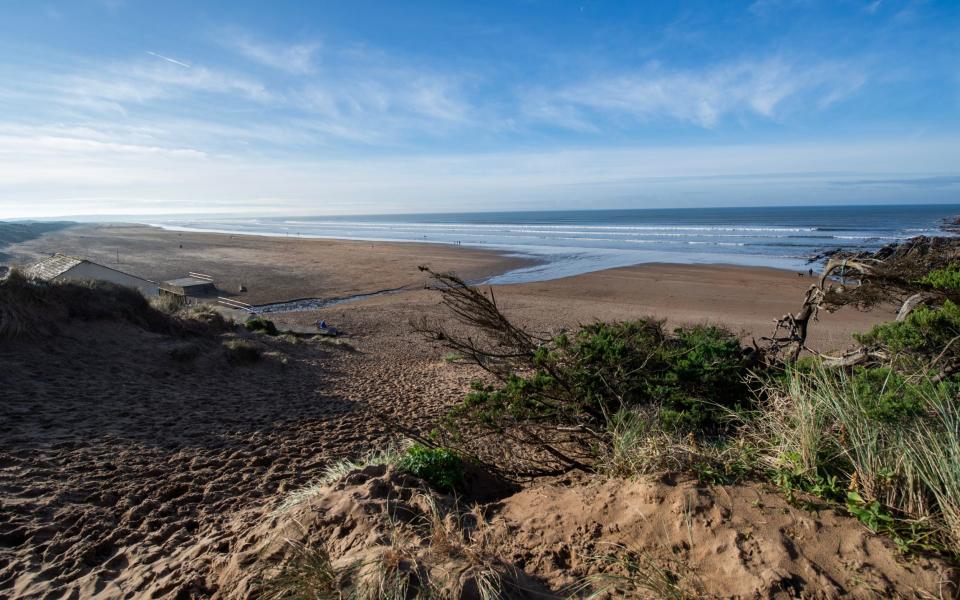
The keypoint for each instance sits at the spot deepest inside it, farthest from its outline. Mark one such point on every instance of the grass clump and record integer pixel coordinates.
(893, 461)
(440, 467)
(337, 471)
(411, 559)
(259, 324)
(241, 352)
(307, 575)
(207, 317)
(626, 573)
(339, 343)
(167, 303)
(31, 307)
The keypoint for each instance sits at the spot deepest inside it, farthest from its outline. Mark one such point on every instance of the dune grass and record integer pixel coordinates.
(30, 307)
(337, 471)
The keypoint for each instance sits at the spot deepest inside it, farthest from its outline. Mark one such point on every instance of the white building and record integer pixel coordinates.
(61, 267)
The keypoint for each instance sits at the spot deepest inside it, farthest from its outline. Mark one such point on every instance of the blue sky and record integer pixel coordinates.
(137, 107)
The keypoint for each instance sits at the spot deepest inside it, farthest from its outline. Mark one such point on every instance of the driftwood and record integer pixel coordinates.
(790, 334)
(889, 275)
(913, 302)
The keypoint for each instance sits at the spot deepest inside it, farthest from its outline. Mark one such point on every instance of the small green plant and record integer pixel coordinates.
(241, 352)
(261, 325)
(440, 467)
(871, 514)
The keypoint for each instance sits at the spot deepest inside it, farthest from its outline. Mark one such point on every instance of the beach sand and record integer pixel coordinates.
(274, 269)
(125, 472)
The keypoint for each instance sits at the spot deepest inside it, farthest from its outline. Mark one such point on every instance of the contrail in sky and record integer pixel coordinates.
(168, 59)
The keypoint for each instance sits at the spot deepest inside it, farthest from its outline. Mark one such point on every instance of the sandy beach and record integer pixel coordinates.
(275, 269)
(125, 472)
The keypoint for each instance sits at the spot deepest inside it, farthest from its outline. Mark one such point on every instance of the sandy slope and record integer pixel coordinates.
(551, 540)
(125, 472)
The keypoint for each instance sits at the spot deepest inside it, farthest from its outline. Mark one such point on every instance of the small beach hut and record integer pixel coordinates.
(189, 287)
(61, 267)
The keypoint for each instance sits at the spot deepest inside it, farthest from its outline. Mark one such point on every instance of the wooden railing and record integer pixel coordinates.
(231, 303)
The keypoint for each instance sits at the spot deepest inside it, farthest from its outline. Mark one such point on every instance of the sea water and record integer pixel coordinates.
(572, 242)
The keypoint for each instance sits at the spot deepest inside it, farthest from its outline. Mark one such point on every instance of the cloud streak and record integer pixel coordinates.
(295, 59)
(168, 59)
(704, 97)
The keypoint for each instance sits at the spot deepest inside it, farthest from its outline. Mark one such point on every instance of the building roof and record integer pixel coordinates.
(52, 267)
(58, 264)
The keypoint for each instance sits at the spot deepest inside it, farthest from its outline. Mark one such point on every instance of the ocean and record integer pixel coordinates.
(572, 242)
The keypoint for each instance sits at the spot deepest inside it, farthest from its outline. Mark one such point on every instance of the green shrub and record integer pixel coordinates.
(886, 396)
(241, 352)
(925, 332)
(946, 279)
(694, 376)
(440, 467)
(262, 325)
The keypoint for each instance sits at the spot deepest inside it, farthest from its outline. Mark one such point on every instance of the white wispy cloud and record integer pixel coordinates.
(117, 86)
(385, 101)
(702, 97)
(66, 174)
(291, 58)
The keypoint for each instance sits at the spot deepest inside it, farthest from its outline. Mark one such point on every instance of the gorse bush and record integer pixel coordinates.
(924, 333)
(440, 467)
(887, 396)
(876, 431)
(946, 279)
(693, 376)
